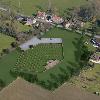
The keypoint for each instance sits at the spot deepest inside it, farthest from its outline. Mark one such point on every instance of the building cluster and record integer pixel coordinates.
(51, 19)
(95, 58)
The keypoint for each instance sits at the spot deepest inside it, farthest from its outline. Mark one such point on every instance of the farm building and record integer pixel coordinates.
(29, 22)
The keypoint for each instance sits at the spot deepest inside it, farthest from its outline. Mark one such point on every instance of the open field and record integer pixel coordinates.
(5, 41)
(6, 63)
(36, 58)
(30, 6)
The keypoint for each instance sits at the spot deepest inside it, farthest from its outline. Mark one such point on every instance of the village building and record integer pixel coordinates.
(95, 42)
(95, 58)
(56, 19)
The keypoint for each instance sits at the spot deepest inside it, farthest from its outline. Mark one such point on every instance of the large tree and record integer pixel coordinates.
(87, 12)
(8, 21)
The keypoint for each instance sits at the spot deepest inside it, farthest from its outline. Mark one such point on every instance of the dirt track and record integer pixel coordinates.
(23, 90)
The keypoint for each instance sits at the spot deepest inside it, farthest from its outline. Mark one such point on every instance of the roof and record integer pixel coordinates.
(57, 19)
(23, 90)
(40, 14)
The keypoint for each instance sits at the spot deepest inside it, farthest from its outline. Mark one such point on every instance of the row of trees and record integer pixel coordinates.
(8, 24)
(27, 76)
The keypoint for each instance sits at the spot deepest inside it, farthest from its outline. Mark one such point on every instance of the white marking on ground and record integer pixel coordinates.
(35, 41)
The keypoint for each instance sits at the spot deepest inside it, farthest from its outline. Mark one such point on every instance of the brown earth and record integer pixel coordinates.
(23, 90)
(51, 64)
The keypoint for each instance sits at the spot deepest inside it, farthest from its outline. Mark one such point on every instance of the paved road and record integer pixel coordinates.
(35, 41)
(89, 34)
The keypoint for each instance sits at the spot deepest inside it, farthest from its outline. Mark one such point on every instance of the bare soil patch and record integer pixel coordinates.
(51, 64)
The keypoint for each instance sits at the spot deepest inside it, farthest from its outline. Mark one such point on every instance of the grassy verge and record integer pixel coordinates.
(70, 62)
(5, 41)
(6, 63)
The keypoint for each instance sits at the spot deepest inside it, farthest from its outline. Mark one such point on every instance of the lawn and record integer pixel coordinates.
(70, 49)
(36, 58)
(30, 6)
(5, 41)
(6, 63)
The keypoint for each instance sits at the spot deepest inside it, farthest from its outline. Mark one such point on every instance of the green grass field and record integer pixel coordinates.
(5, 41)
(6, 63)
(30, 6)
(35, 59)
(89, 78)
(70, 46)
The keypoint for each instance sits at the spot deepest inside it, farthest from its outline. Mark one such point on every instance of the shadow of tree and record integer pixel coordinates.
(77, 45)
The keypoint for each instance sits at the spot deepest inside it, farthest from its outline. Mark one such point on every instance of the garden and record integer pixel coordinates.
(7, 62)
(36, 58)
